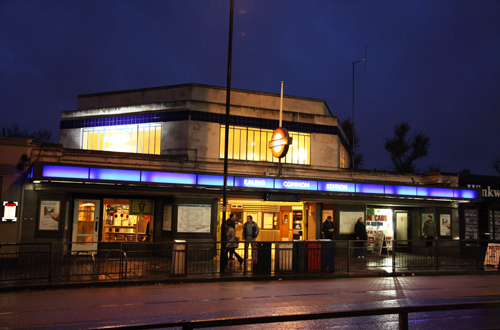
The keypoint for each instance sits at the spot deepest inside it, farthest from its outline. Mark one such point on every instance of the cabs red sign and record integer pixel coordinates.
(280, 142)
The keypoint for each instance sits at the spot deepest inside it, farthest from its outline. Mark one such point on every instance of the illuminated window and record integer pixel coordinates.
(247, 143)
(142, 139)
(343, 157)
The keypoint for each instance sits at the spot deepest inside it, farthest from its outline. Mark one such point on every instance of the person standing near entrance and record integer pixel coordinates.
(429, 231)
(361, 237)
(249, 234)
(232, 223)
(328, 228)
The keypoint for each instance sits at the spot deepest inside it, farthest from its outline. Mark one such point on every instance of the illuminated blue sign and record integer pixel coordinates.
(111, 174)
(254, 182)
(336, 186)
(214, 180)
(369, 188)
(167, 177)
(67, 172)
(469, 194)
(400, 190)
(295, 184)
(108, 174)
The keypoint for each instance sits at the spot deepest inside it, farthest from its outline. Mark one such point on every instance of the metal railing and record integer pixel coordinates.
(227, 322)
(122, 261)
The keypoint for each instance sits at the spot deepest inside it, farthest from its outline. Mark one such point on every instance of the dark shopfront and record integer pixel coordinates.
(481, 219)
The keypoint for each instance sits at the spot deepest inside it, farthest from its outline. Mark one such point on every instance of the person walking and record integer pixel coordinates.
(232, 244)
(231, 222)
(361, 237)
(328, 228)
(429, 231)
(249, 234)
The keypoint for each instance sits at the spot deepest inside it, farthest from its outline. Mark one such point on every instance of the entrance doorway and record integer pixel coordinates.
(402, 227)
(284, 225)
(86, 224)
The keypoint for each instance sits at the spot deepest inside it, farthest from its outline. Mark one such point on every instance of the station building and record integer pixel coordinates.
(147, 165)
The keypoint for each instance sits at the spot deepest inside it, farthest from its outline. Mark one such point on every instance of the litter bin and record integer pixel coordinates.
(179, 258)
(284, 257)
(313, 255)
(263, 265)
(298, 262)
(327, 255)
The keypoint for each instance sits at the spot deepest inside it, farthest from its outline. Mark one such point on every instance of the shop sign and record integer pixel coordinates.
(336, 186)
(280, 142)
(9, 211)
(253, 182)
(295, 184)
(141, 207)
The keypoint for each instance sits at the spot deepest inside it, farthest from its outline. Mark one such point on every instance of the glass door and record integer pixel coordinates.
(85, 225)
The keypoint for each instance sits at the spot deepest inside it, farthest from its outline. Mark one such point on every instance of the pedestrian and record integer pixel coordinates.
(231, 221)
(249, 234)
(429, 231)
(232, 243)
(328, 228)
(361, 237)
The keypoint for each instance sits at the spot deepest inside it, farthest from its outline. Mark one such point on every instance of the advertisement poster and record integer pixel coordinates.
(167, 217)
(348, 220)
(49, 215)
(492, 255)
(445, 222)
(379, 224)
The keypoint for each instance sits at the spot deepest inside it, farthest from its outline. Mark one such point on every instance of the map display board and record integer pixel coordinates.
(194, 218)
(348, 220)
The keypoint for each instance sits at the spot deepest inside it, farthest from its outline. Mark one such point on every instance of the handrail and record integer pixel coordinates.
(226, 322)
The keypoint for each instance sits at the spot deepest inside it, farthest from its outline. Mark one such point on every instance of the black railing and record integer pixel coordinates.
(228, 322)
(121, 261)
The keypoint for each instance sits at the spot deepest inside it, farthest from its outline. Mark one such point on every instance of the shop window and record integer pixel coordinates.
(245, 143)
(127, 220)
(142, 138)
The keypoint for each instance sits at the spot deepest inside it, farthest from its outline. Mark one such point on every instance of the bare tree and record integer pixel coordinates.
(16, 131)
(406, 150)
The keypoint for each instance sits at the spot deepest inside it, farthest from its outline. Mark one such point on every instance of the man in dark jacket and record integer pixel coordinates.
(361, 236)
(328, 228)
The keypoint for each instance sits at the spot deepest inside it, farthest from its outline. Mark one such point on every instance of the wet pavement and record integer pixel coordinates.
(97, 307)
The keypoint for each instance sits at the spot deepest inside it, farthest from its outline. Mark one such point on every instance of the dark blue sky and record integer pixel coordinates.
(433, 63)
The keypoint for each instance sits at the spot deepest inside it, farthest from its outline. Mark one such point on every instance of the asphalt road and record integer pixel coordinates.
(98, 307)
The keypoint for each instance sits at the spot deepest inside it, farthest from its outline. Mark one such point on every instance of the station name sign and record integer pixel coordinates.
(85, 174)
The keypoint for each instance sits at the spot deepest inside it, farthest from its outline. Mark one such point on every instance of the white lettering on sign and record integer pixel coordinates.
(336, 186)
(296, 184)
(251, 182)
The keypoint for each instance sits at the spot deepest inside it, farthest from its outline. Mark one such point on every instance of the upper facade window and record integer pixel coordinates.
(247, 143)
(343, 157)
(142, 138)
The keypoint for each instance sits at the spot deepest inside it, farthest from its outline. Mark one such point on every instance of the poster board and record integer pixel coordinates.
(445, 224)
(348, 221)
(167, 217)
(268, 221)
(49, 215)
(492, 256)
(378, 243)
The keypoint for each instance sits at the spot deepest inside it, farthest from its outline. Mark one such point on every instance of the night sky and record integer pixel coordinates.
(433, 63)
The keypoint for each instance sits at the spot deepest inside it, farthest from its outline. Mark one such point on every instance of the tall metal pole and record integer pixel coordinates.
(353, 77)
(223, 255)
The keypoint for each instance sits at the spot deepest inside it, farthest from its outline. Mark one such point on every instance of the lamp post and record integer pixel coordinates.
(223, 254)
(353, 77)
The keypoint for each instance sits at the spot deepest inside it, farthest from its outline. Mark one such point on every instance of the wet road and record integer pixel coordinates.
(97, 307)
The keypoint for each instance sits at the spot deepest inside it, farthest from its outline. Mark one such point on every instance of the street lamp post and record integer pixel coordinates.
(223, 254)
